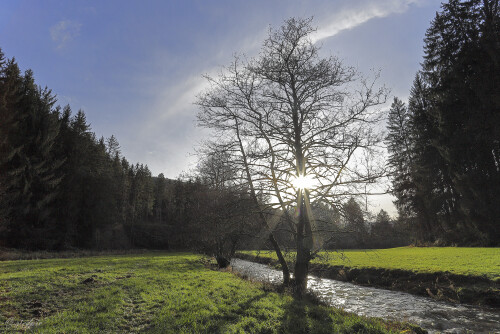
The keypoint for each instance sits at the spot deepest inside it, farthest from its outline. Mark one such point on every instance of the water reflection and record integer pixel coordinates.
(432, 315)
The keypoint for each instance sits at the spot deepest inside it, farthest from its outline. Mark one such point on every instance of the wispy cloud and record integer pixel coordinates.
(64, 32)
(355, 16)
(179, 98)
(169, 127)
(170, 121)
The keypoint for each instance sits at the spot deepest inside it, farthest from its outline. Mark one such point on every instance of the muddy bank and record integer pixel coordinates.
(477, 290)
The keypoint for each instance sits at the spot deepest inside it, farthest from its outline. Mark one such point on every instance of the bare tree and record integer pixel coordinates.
(303, 127)
(216, 166)
(223, 215)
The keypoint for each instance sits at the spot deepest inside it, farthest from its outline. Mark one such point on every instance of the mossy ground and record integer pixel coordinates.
(156, 293)
(456, 260)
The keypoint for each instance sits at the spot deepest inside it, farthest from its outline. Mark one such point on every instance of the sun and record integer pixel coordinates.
(303, 182)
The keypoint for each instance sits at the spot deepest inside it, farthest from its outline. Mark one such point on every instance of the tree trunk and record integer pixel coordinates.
(301, 270)
(281, 259)
(303, 251)
(274, 243)
(222, 262)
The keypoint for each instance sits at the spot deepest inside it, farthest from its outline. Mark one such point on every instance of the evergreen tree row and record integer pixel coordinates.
(61, 187)
(445, 144)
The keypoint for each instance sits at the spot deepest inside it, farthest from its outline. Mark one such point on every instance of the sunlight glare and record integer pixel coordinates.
(303, 182)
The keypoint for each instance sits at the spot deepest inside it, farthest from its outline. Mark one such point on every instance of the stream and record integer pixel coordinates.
(434, 316)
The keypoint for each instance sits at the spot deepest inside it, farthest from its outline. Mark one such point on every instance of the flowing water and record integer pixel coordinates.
(432, 315)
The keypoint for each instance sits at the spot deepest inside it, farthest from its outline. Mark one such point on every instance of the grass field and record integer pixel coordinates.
(155, 293)
(457, 260)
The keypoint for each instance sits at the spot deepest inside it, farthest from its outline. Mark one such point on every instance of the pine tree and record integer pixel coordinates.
(10, 117)
(426, 165)
(355, 221)
(400, 148)
(112, 146)
(462, 70)
(30, 170)
(382, 227)
(160, 197)
(453, 181)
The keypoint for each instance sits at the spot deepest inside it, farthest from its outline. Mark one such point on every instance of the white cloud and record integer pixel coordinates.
(64, 32)
(353, 17)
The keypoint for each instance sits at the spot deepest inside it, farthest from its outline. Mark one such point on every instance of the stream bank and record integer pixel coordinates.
(445, 286)
(430, 315)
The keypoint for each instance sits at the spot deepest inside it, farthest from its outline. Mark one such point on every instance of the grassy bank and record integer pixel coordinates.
(456, 260)
(460, 275)
(155, 293)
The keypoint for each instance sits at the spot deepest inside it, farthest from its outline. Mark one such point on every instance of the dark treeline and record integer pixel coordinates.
(445, 143)
(61, 187)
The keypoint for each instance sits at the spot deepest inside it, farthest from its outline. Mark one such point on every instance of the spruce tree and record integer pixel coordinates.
(400, 148)
(454, 112)
(30, 170)
(462, 69)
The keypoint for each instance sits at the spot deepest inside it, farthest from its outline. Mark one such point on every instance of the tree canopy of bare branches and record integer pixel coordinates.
(291, 114)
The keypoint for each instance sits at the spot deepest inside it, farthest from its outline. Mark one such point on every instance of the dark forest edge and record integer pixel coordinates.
(444, 144)
(62, 188)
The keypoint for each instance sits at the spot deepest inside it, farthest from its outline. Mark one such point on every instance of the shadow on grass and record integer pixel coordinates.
(299, 316)
(238, 317)
(302, 316)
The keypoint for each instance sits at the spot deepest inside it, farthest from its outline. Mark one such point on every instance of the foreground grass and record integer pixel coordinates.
(457, 260)
(155, 293)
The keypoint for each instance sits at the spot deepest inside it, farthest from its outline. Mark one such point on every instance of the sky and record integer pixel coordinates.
(135, 67)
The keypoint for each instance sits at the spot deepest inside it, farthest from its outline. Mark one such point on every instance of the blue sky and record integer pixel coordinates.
(135, 67)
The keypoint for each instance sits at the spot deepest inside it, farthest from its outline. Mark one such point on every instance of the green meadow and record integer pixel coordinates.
(457, 260)
(157, 293)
